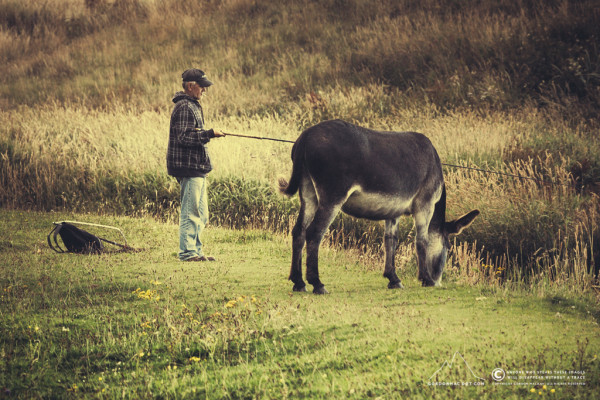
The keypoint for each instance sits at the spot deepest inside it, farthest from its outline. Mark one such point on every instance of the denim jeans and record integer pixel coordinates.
(193, 217)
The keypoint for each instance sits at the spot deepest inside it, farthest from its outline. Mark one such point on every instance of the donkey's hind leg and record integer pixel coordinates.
(325, 214)
(308, 206)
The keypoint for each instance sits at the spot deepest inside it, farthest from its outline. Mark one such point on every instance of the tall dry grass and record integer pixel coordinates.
(66, 157)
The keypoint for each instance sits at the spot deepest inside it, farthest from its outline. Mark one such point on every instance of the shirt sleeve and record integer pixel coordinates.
(185, 128)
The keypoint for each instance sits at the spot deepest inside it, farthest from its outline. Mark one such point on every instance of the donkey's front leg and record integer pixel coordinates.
(391, 244)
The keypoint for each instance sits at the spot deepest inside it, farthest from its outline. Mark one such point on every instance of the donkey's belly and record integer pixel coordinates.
(376, 206)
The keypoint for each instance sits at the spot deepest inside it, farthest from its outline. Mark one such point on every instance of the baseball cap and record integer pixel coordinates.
(196, 75)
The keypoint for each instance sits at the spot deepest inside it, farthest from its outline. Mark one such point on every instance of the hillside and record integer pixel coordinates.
(267, 57)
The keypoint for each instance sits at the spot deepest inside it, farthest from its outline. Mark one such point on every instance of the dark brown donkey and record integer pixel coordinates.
(373, 175)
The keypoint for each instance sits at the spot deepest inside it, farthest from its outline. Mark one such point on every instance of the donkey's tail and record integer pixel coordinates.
(290, 188)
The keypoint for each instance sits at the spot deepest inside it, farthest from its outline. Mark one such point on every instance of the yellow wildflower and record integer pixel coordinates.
(146, 294)
(231, 304)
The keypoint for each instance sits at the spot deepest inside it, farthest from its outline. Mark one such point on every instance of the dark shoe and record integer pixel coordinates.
(196, 258)
(206, 258)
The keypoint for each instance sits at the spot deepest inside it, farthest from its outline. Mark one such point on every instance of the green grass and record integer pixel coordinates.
(146, 325)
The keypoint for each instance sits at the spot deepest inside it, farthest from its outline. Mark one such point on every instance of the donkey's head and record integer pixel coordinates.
(437, 246)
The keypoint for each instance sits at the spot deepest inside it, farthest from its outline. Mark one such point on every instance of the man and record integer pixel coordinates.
(188, 161)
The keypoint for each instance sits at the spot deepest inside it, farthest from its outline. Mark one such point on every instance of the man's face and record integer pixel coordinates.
(196, 90)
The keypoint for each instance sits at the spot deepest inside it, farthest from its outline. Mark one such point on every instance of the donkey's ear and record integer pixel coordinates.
(458, 225)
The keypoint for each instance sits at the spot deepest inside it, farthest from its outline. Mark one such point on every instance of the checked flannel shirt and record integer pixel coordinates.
(186, 155)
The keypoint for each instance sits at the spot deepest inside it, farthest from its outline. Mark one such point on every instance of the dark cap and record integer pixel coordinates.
(196, 75)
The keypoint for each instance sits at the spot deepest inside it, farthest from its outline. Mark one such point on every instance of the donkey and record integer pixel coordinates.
(373, 175)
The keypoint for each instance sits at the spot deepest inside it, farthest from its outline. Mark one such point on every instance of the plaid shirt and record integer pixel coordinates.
(186, 155)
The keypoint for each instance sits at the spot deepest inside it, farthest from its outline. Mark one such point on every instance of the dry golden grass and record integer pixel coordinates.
(119, 140)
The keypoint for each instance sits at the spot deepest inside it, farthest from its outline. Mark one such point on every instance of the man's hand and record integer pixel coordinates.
(219, 134)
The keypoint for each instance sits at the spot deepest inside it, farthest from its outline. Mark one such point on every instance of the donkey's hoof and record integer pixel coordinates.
(395, 285)
(299, 288)
(320, 290)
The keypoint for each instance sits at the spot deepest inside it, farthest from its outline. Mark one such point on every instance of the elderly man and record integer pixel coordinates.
(188, 161)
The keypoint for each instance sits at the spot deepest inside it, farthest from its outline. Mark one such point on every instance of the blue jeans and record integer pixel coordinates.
(193, 217)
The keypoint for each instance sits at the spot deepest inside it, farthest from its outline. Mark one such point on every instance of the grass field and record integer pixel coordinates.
(141, 325)
(85, 99)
